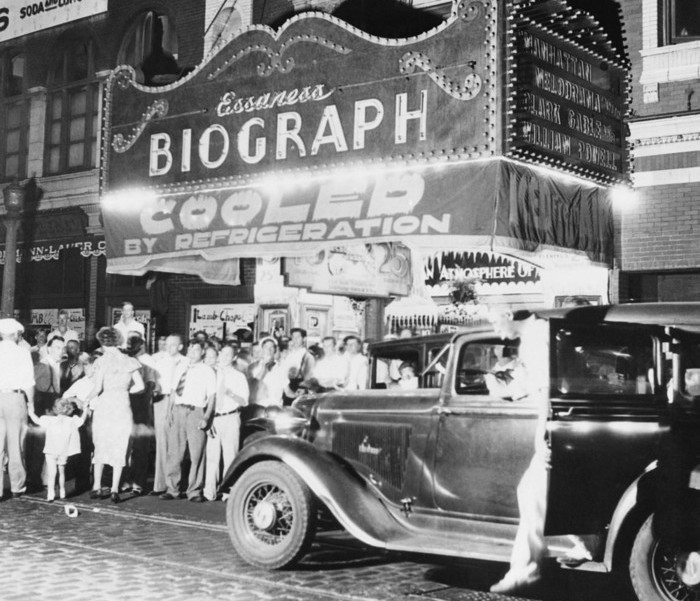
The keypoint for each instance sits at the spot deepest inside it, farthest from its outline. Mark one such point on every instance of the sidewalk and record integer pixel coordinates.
(181, 510)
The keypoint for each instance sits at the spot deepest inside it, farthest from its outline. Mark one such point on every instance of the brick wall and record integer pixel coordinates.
(663, 229)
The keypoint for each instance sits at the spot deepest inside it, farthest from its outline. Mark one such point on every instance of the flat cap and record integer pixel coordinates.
(9, 326)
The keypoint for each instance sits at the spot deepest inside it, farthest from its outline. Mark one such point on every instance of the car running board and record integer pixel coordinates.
(483, 548)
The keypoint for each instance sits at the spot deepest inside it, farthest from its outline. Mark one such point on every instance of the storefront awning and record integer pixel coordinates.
(495, 204)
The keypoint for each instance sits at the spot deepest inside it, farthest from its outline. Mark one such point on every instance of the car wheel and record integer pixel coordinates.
(271, 516)
(653, 571)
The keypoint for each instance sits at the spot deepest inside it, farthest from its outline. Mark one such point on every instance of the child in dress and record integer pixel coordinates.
(62, 441)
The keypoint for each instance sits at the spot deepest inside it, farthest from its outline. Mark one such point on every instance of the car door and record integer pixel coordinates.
(608, 413)
(484, 441)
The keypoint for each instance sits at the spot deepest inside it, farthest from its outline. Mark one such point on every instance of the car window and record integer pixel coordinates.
(689, 351)
(391, 370)
(609, 361)
(477, 359)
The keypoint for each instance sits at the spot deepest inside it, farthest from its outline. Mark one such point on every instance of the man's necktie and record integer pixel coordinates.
(180, 388)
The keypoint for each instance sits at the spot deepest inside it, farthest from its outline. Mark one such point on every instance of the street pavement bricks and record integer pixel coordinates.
(109, 554)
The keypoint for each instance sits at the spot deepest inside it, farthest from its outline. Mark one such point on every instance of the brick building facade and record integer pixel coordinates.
(659, 232)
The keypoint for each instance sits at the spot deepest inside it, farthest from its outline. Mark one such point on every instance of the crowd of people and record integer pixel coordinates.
(109, 407)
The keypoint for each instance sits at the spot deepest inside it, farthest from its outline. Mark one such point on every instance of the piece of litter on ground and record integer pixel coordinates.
(71, 511)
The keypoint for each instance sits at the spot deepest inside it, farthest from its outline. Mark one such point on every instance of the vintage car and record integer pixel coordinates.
(436, 469)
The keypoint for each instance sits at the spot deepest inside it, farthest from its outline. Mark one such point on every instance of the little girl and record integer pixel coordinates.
(62, 441)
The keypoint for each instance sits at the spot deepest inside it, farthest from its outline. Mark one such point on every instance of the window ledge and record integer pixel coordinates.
(679, 62)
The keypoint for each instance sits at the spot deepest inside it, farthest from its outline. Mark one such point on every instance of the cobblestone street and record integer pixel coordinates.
(109, 553)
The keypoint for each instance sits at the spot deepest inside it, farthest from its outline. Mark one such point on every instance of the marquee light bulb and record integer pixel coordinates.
(623, 197)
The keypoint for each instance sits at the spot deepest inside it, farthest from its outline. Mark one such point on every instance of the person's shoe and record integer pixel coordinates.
(156, 493)
(224, 497)
(166, 496)
(575, 556)
(515, 582)
(17, 495)
(114, 496)
(137, 492)
(50, 498)
(197, 499)
(94, 494)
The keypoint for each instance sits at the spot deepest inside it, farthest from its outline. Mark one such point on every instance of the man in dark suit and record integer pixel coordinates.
(72, 368)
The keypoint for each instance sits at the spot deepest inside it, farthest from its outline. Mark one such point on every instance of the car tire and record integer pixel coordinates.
(271, 516)
(652, 572)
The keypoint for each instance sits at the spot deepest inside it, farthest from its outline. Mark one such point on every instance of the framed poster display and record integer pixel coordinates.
(315, 320)
(274, 319)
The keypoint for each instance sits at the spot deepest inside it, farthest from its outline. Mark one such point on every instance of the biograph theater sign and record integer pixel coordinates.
(314, 134)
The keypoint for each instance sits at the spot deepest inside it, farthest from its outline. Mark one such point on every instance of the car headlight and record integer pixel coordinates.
(286, 420)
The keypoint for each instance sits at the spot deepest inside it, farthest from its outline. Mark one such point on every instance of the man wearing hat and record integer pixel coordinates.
(16, 383)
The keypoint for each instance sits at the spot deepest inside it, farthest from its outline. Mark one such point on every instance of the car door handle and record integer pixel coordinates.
(568, 413)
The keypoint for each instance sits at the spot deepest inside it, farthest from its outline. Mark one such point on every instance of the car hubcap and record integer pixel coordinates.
(269, 514)
(667, 580)
(264, 515)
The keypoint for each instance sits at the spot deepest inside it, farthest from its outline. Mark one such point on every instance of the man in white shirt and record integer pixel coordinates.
(61, 329)
(47, 374)
(190, 406)
(297, 366)
(532, 380)
(232, 393)
(127, 324)
(16, 383)
(358, 366)
(332, 370)
(165, 364)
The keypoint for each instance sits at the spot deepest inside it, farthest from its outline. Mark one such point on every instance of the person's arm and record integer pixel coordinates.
(82, 417)
(137, 382)
(33, 416)
(242, 392)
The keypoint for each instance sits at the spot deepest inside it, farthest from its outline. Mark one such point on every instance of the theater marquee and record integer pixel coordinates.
(289, 142)
(567, 95)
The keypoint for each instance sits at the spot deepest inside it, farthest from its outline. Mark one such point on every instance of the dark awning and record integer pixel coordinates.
(495, 204)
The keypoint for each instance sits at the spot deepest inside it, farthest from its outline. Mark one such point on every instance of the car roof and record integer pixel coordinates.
(680, 315)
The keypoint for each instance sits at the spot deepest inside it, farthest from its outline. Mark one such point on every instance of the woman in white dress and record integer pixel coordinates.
(116, 374)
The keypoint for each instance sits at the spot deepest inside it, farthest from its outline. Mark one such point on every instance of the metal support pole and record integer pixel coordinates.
(10, 269)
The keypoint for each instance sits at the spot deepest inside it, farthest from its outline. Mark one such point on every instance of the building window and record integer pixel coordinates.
(73, 109)
(683, 21)
(150, 46)
(13, 148)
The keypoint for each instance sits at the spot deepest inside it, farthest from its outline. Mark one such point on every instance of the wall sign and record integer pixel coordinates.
(493, 272)
(52, 252)
(46, 319)
(29, 16)
(373, 270)
(221, 320)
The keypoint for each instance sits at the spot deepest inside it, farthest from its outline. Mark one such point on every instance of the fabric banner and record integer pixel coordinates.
(489, 204)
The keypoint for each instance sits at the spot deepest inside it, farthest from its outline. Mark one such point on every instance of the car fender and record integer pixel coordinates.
(637, 496)
(350, 498)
